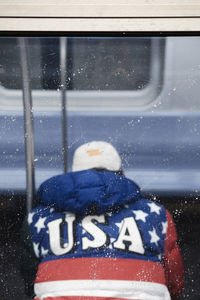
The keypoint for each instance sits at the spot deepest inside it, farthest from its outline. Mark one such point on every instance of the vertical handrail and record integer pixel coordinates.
(28, 123)
(63, 87)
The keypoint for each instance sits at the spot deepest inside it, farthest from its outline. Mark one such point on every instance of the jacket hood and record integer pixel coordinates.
(79, 192)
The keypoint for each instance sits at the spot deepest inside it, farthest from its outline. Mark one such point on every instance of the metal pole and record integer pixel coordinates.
(28, 123)
(63, 64)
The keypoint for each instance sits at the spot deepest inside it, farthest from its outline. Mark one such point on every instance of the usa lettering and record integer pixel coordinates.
(55, 235)
(129, 237)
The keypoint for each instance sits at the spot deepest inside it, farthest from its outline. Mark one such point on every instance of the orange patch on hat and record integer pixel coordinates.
(93, 152)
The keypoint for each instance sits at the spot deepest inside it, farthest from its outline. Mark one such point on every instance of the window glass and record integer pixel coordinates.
(139, 93)
(109, 64)
(91, 64)
(10, 68)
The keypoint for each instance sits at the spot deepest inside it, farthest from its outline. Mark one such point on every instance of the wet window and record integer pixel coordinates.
(139, 93)
(91, 63)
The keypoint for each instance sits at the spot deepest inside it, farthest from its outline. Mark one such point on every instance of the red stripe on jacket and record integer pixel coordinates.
(100, 268)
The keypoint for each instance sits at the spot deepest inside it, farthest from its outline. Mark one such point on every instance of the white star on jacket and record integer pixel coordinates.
(30, 217)
(154, 237)
(140, 215)
(40, 224)
(154, 208)
(44, 251)
(36, 248)
(164, 227)
(119, 225)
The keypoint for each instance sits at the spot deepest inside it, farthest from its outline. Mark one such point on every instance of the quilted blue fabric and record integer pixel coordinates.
(77, 192)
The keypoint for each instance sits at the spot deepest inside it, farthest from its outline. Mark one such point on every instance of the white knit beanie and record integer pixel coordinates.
(96, 154)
